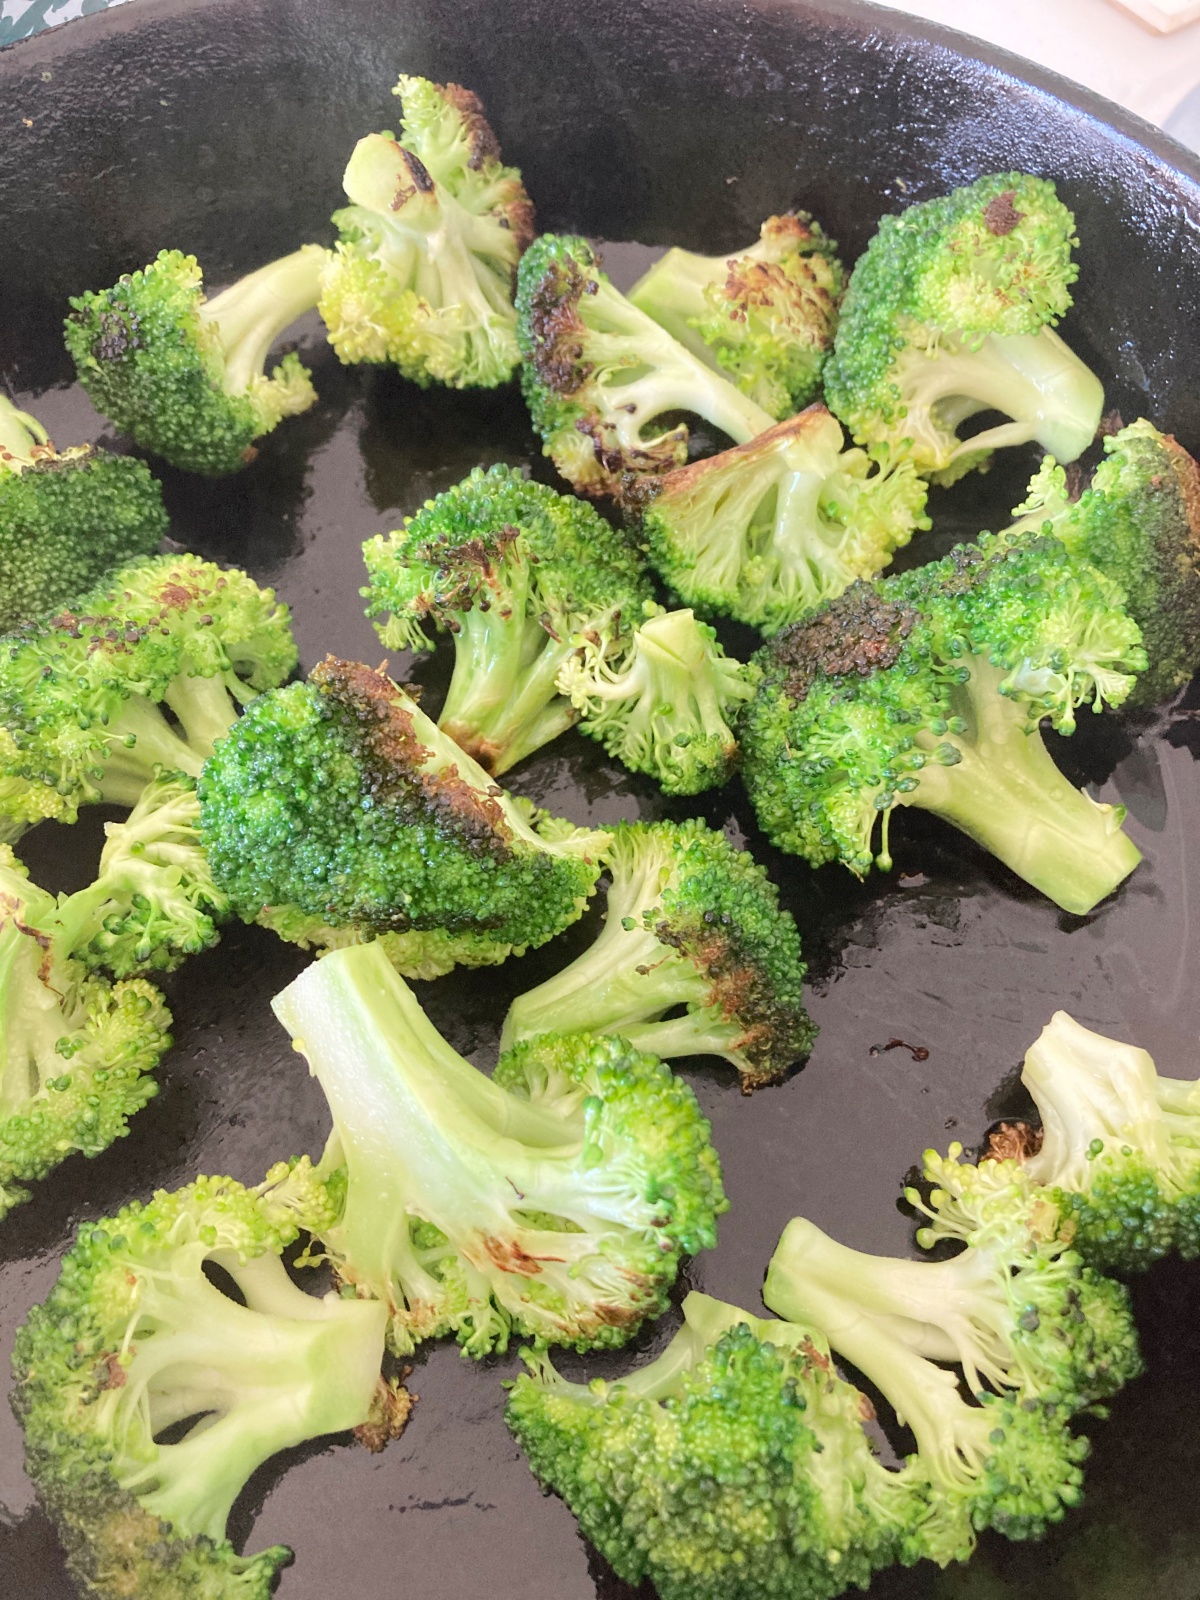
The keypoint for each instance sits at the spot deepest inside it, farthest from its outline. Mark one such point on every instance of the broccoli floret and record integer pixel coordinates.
(1138, 522)
(77, 1050)
(768, 530)
(735, 1466)
(556, 1198)
(146, 672)
(664, 703)
(66, 519)
(951, 312)
(690, 922)
(515, 572)
(184, 374)
(926, 690)
(1010, 1310)
(135, 1339)
(340, 799)
(764, 316)
(424, 273)
(599, 372)
(153, 901)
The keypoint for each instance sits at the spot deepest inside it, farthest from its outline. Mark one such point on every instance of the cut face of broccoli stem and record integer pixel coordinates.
(1000, 786)
(20, 435)
(251, 314)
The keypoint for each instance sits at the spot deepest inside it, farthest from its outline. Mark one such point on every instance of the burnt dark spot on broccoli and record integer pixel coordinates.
(1000, 215)
(853, 636)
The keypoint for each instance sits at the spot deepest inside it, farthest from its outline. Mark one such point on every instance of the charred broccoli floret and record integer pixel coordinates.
(336, 803)
(184, 374)
(691, 922)
(555, 1199)
(951, 312)
(66, 519)
(523, 578)
(599, 373)
(927, 690)
(765, 316)
(768, 530)
(424, 273)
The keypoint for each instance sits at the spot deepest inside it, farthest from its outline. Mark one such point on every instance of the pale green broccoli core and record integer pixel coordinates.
(142, 740)
(673, 293)
(251, 314)
(19, 435)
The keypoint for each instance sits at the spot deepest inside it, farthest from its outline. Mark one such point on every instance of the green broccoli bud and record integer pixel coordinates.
(66, 519)
(515, 572)
(555, 1199)
(927, 690)
(599, 372)
(950, 312)
(135, 1339)
(1137, 522)
(690, 922)
(339, 798)
(145, 673)
(765, 316)
(769, 530)
(424, 272)
(184, 374)
(77, 1051)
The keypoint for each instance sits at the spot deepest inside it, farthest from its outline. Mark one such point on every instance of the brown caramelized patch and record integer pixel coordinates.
(793, 227)
(482, 140)
(1013, 1141)
(557, 328)
(508, 1256)
(391, 1407)
(684, 480)
(1187, 476)
(110, 1374)
(853, 636)
(1000, 215)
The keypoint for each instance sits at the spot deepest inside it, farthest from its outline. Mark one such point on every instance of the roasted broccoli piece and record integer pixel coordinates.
(950, 312)
(599, 372)
(146, 672)
(424, 273)
(768, 530)
(136, 1339)
(1038, 1340)
(556, 1198)
(926, 690)
(515, 572)
(184, 374)
(733, 1467)
(691, 922)
(66, 519)
(76, 1051)
(1138, 522)
(336, 803)
(1116, 1155)
(764, 316)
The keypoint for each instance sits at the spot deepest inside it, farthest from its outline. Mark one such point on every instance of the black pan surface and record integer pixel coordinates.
(221, 126)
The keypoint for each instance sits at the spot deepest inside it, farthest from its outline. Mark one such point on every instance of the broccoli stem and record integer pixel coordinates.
(252, 313)
(1005, 792)
(37, 1015)
(19, 434)
(206, 706)
(672, 292)
(141, 741)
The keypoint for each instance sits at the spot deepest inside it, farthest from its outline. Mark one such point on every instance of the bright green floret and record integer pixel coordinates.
(424, 272)
(691, 922)
(733, 1467)
(951, 312)
(1011, 1311)
(336, 803)
(524, 579)
(1138, 522)
(927, 690)
(764, 316)
(599, 373)
(76, 1052)
(556, 1199)
(184, 374)
(66, 519)
(134, 1340)
(666, 703)
(146, 672)
(769, 530)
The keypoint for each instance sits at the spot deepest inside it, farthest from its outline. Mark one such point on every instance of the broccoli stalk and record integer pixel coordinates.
(599, 372)
(134, 1340)
(691, 922)
(765, 316)
(556, 1198)
(768, 530)
(517, 573)
(184, 375)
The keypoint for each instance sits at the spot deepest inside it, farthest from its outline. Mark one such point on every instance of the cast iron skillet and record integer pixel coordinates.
(221, 126)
